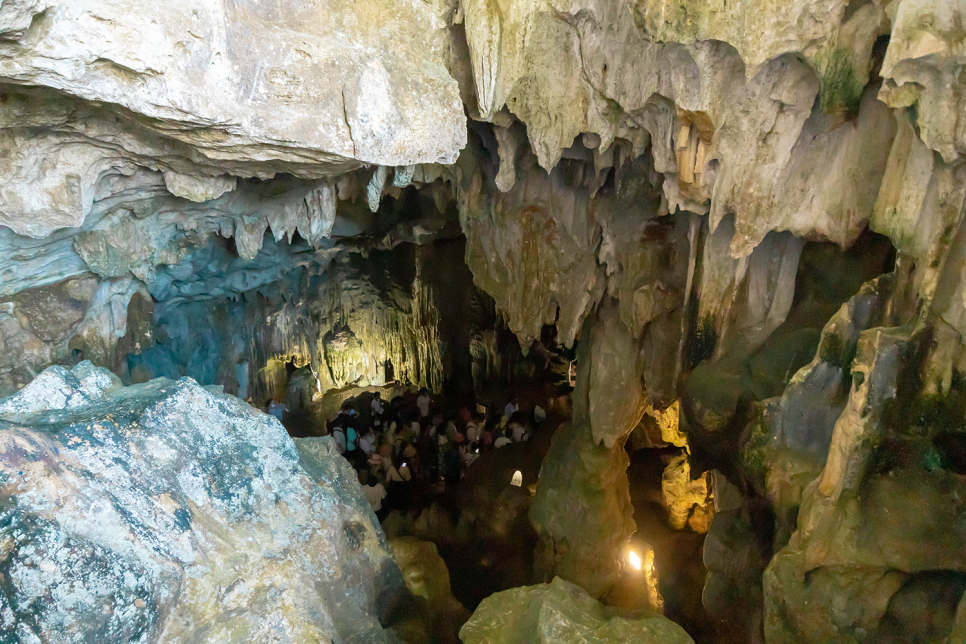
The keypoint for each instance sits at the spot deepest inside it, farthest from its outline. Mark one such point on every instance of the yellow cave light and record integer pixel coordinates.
(517, 480)
(641, 563)
(634, 560)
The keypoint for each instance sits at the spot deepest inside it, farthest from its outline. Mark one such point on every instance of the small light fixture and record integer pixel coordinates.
(517, 480)
(635, 560)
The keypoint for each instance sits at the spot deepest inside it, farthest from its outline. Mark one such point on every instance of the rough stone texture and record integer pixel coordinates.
(427, 579)
(78, 318)
(582, 507)
(582, 510)
(921, 68)
(722, 96)
(686, 499)
(348, 323)
(616, 399)
(562, 612)
(241, 88)
(135, 226)
(533, 250)
(168, 512)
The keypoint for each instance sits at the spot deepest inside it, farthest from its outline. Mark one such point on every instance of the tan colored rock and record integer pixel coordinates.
(198, 189)
(582, 510)
(239, 88)
(562, 612)
(688, 502)
(616, 398)
(922, 68)
(81, 318)
(920, 207)
(534, 251)
(427, 578)
(724, 104)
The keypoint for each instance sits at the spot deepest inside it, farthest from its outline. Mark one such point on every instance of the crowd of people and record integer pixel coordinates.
(406, 449)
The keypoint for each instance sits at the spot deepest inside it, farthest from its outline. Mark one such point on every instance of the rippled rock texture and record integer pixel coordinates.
(169, 512)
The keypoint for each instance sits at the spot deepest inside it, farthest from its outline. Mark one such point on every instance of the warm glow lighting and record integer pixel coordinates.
(517, 480)
(634, 559)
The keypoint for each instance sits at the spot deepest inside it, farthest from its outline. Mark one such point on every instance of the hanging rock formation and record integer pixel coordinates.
(197, 93)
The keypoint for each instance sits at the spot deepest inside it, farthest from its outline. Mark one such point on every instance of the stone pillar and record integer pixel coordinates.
(582, 509)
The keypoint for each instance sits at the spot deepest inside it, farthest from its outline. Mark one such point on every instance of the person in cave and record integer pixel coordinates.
(399, 488)
(428, 451)
(472, 429)
(352, 451)
(376, 404)
(375, 493)
(422, 403)
(487, 437)
(539, 414)
(389, 426)
(338, 435)
(367, 442)
(518, 428)
(345, 432)
(503, 438)
(511, 408)
(451, 429)
(471, 454)
(276, 408)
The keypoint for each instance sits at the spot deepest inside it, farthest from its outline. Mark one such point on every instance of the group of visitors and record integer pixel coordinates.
(406, 450)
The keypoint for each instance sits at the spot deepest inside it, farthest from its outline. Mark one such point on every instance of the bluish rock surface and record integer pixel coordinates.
(170, 512)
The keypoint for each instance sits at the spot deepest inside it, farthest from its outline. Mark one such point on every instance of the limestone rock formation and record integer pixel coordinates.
(427, 579)
(62, 323)
(201, 93)
(752, 209)
(562, 612)
(166, 511)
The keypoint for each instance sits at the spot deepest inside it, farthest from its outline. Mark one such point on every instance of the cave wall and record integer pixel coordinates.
(755, 209)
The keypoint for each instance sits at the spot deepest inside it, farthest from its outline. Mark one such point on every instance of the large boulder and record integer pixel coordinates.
(170, 512)
(563, 612)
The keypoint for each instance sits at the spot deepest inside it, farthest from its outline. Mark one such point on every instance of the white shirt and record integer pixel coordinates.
(376, 406)
(367, 444)
(519, 431)
(374, 494)
(510, 409)
(472, 432)
(339, 435)
(501, 441)
(423, 403)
